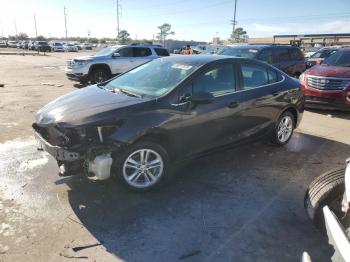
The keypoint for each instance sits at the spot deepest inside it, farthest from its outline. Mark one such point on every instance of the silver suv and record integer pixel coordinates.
(111, 61)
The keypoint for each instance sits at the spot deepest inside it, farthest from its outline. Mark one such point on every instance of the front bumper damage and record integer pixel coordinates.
(93, 159)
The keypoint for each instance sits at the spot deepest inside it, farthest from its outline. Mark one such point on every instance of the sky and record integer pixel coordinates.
(190, 19)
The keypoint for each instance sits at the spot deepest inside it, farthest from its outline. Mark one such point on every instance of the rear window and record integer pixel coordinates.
(161, 52)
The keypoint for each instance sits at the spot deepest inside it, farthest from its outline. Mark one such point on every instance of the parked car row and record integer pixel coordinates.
(44, 46)
(325, 85)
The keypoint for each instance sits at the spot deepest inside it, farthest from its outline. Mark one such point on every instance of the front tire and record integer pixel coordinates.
(327, 189)
(143, 166)
(283, 129)
(99, 75)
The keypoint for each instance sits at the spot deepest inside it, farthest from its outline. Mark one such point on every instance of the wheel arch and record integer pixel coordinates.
(98, 66)
(293, 111)
(159, 138)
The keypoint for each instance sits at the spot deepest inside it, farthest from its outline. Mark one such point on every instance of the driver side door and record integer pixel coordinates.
(206, 126)
(124, 62)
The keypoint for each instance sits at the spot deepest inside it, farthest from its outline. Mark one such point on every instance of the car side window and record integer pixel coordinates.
(273, 77)
(126, 52)
(218, 80)
(142, 51)
(266, 55)
(280, 54)
(254, 76)
(161, 52)
(185, 93)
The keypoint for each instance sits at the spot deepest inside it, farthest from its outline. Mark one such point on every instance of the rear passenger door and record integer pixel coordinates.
(281, 60)
(142, 55)
(260, 94)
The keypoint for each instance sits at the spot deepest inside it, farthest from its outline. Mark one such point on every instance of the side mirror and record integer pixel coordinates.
(116, 55)
(202, 98)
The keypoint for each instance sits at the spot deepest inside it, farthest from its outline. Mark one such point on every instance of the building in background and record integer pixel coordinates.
(304, 40)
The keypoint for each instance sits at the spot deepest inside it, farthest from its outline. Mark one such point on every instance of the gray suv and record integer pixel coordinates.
(111, 61)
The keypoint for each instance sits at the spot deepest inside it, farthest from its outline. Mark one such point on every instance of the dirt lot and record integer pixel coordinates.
(243, 204)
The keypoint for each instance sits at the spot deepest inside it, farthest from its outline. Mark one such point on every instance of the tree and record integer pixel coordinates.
(22, 36)
(239, 35)
(123, 37)
(40, 38)
(165, 30)
(93, 40)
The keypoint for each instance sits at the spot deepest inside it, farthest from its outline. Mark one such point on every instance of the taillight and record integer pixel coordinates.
(318, 62)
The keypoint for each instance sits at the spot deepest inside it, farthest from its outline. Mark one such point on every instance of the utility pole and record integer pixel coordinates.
(2, 30)
(15, 27)
(36, 30)
(65, 22)
(234, 22)
(118, 18)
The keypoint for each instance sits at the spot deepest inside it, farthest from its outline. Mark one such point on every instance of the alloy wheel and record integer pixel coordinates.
(285, 129)
(143, 168)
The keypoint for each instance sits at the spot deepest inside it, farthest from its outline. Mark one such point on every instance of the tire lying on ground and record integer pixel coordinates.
(327, 189)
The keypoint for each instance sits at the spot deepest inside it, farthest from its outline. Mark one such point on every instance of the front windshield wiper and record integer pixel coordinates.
(127, 92)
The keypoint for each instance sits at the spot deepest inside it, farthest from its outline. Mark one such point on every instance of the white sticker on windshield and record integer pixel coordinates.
(183, 67)
(253, 50)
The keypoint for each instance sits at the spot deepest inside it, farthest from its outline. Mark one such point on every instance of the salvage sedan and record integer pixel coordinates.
(138, 125)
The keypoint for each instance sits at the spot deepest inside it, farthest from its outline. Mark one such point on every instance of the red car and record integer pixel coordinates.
(328, 85)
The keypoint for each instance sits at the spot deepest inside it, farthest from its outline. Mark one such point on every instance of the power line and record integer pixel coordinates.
(273, 19)
(183, 11)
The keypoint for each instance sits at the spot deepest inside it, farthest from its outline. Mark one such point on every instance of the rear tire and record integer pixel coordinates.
(283, 130)
(327, 189)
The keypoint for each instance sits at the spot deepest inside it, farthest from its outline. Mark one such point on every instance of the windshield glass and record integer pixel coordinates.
(340, 58)
(105, 51)
(239, 52)
(57, 44)
(323, 53)
(154, 78)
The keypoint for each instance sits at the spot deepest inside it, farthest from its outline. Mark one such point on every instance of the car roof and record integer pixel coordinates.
(248, 46)
(205, 59)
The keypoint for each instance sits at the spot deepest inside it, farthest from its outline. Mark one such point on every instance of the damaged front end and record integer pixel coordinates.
(79, 149)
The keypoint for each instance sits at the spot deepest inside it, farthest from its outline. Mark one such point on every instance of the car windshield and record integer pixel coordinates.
(340, 58)
(323, 53)
(105, 51)
(239, 52)
(154, 78)
(57, 44)
(42, 43)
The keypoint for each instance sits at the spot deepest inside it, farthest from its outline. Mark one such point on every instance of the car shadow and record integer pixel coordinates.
(332, 113)
(80, 85)
(240, 204)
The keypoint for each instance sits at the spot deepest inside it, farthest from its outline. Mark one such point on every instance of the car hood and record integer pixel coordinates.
(84, 58)
(85, 106)
(329, 71)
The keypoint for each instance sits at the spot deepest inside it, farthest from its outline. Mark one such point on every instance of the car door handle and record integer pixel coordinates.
(276, 93)
(233, 104)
